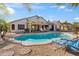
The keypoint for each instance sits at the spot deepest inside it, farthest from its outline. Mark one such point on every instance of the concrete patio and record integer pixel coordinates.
(52, 49)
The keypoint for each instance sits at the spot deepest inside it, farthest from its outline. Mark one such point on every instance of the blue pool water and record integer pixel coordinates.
(41, 37)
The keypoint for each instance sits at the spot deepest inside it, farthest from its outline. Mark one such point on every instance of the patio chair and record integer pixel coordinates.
(61, 42)
(41, 30)
(45, 29)
(74, 46)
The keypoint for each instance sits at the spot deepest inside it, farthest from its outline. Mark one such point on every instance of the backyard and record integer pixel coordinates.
(54, 32)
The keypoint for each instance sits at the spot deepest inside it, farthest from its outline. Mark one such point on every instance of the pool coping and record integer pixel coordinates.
(29, 43)
(40, 33)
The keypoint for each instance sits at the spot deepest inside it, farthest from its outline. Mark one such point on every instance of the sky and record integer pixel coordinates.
(49, 11)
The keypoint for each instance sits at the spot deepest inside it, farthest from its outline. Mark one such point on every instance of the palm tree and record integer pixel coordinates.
(3, 8)
(75, 4)
(4, 26)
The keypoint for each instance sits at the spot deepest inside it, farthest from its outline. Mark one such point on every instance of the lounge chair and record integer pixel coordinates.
(41, 30)
(45, 29)
(74, 46)
(63, 41)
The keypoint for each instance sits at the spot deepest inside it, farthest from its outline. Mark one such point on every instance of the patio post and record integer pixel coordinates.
(54, 27)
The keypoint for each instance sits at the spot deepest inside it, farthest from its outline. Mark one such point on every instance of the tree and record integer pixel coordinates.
(75, 4)
(4, 26)
(28, 6)
(75, 27)
(3, 8)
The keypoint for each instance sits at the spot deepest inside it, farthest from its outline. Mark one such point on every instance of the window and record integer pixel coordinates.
(13, 27)
(21, 26)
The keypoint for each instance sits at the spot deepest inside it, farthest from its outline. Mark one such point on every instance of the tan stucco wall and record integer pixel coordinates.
(16, 25)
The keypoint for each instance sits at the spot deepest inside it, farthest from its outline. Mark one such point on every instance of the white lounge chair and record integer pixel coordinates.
(45, 29)
(41, 29)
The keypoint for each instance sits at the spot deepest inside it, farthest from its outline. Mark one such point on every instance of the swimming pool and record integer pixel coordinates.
(41, 37)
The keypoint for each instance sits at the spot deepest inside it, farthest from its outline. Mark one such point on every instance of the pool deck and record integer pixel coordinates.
(46, 49)
(51, 49)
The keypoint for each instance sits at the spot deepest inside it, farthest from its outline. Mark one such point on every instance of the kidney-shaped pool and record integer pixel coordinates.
(41, 37)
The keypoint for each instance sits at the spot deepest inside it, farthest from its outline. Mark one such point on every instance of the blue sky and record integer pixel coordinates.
(49, 11)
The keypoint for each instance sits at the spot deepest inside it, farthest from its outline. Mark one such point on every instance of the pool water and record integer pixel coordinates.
(41, 37)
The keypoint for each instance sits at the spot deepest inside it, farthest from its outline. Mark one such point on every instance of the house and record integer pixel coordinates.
(58, 26)
(33, 23)
(66, 27)
(54, 25)
(76, 26)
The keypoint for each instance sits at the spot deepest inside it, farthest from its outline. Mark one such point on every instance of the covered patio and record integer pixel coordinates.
(35, 26)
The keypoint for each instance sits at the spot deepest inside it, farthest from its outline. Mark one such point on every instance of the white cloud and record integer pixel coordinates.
(76, 19)
(65, 8)
(59, 7)
(10, 10)
(52, 18)
(62, 21)
(15, 5)
(38, 7)
(53, 6)
(2, 11)
(70, 10)
(62, 7)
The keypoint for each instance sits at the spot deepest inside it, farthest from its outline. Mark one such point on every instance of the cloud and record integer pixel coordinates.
(2, 11)
(53, 6)
(62, 7)
(38, 7)
(14, 5)
(10, 10)
(52, 18)
(76, 19)
(70, 10)
(65, 8)
(59, 7)
(62, 21)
